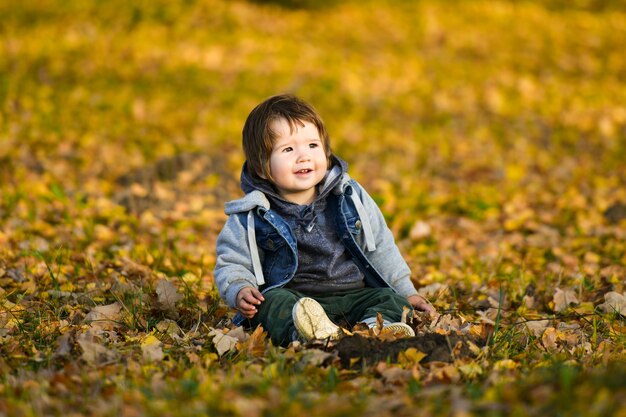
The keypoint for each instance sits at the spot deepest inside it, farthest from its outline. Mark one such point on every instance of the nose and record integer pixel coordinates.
(303, 154)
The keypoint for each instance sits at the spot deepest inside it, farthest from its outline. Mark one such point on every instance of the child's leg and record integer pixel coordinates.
(362, 304)
(275, 315)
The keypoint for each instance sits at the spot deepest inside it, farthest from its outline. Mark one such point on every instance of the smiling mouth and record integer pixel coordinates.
(304, 171)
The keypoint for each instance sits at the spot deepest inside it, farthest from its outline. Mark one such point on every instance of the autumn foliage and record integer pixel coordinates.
(491, 133)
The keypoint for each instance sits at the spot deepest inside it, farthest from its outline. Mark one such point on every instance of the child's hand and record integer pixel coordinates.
(420, 303)
(247, 300)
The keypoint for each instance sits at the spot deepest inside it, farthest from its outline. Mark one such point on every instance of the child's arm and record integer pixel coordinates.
(233, 267)
(387, 258)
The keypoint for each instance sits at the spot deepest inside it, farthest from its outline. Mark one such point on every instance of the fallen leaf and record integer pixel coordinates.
(105, 317)
(505, 364)
(223, 342)
(316, 357)
(411, 357)
(239, 333)
(614, 302)
(563, 299)
(169, 327)
(64, 345)
(441, 372)
(551, 337)
(168, 296)
(471, 370)
(392, 375)
(255, 344)
(94, 352)
(537, 327)
(420, 230)
(151, 349)
(249, 407)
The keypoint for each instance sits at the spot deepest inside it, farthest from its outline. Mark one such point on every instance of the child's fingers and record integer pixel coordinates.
(251, 295)
(421, 303)
(251, 299)
(247, 310)
(245, 306)
(257, 294)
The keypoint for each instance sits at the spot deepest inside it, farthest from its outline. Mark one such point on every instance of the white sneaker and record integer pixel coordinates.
(400, 329)
(312, 322)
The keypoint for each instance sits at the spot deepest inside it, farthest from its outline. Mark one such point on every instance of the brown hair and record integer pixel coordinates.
(258, 137)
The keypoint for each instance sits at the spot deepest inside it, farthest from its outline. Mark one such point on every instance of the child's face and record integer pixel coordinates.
(298, 161)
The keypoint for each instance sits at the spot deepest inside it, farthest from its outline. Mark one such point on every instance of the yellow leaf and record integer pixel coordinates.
(505, 364)
(471, 369)
(103, 233)
(190, 278)
(150, 340)
(151, 349)
(411, 356)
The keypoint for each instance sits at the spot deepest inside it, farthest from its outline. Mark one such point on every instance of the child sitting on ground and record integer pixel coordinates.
(307, 247)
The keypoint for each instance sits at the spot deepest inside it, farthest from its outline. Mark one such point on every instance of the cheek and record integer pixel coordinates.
(323, 159)
(277, 165)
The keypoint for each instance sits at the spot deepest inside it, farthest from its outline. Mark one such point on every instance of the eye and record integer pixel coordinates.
(287, 149)
(313, 145)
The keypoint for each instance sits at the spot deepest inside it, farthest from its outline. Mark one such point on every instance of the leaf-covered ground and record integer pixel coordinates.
(492, 133)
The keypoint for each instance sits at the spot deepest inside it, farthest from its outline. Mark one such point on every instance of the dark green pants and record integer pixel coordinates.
(345, 309)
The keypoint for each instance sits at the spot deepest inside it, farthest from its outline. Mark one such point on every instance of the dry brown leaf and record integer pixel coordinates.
(94, 352)
(441, 372)
(168, 296)
(238, 333)
(169, 327)
(433, 291)
(392, 375)
(537, 327)
(255, 344)
(317, 357)
(105, 317)
(223, 342)
(551, 337)
(420, 230)
(445, 324)
(614, 302)
(563, 299)
(64, 345)
(488, 316)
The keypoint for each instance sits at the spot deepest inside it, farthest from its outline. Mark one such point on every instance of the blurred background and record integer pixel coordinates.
(489, 131)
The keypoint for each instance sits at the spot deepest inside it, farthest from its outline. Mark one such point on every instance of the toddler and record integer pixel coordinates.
(307, 248)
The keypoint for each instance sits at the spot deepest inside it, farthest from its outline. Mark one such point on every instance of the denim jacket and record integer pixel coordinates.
(256, 247)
